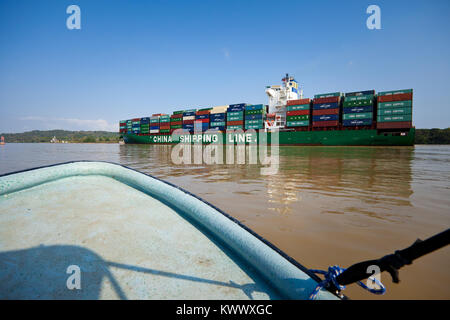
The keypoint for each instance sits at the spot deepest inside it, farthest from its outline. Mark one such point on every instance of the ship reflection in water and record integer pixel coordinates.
(330, 205)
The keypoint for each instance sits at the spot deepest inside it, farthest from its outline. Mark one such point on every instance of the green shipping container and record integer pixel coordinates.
(394, 111)
(297, 123)
(217, 124)
(164, 130)
(164, 120)
(154, 120)
(297, 118)
(299, 107)
(178, 112)
(328, 95)
(400, 118)
(257, 121)
(235, 127)
(175, 126)
(236, 113)
(358, 98)
(358, 103)
(254, 126)
(262, 111)
(235, 118)
(362, 115)
(395, 104)
(388, 93)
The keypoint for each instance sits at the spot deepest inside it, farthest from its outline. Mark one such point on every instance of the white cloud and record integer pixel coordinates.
(73, 123)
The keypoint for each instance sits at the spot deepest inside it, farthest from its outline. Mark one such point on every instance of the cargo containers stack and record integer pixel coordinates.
(218, 118)
(145, 125)
(358, 109)
(129, 125)
(254, 116)
(394, 109)
(298, 113)
(136, 125)
(123, 126)
(235, 116)
(326, 110)
(202, 119)
(176, 120)
(154, 124)
(188, 120)
(164, 124)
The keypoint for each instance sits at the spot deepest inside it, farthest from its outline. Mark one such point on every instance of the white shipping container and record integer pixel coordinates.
(154, 131)
(189, 118)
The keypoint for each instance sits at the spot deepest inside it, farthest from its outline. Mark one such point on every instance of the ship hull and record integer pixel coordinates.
(369, 137)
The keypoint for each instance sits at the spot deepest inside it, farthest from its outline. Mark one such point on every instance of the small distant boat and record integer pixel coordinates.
(2, 140)
(133, 236)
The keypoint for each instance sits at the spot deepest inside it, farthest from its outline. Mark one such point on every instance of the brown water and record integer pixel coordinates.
(326, 205)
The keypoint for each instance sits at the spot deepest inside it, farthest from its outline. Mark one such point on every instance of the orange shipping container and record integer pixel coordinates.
(325, 123)
(325, 111)
(298, 102)
(297, 113)
(396, 97)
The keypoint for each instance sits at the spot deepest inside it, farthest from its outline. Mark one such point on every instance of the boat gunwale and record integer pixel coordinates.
(229, 217)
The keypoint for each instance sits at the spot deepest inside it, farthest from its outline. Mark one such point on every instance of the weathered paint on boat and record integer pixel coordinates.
(133, 236)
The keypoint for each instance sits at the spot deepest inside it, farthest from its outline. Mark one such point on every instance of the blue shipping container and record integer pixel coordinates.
(202, 116)
(326, 117)
(255, 107)
(321, 106)
(240, 105)
(253, 116)
(358, 109)
(217, 117)
(357, 122)
(220, 128)
(188, 114)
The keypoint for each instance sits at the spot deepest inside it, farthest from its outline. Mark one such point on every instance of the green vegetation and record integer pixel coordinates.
(433, 136)
(63, 135)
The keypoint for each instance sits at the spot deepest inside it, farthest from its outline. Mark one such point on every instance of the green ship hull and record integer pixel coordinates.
(363, 137)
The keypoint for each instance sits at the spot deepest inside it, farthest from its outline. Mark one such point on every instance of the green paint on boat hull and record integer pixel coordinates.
(369, 137)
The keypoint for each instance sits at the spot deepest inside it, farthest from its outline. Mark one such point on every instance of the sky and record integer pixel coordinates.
(135, 58)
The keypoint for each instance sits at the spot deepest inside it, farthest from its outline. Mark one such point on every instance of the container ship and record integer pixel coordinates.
(360, 118)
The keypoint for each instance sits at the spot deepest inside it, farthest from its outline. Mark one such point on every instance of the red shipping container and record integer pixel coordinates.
(188, 121)
(326, 100)
(395, 97)
(198, 113)
(297, 113)
(136, 119)
(158, 114)
(202, 120)
(165, 125)
(325, 111)
(298, 102)
(394, 125)
(176, 123)
(176, 116)
(235, 123)
(325, 123)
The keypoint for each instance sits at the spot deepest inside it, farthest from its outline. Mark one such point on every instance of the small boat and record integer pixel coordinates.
(98, 230)
(2, 140)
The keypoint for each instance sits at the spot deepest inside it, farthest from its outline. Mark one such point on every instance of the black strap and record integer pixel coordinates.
(393, 262)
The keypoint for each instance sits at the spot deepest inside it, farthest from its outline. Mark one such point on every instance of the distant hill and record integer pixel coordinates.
(69, 136)
(433, 136)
